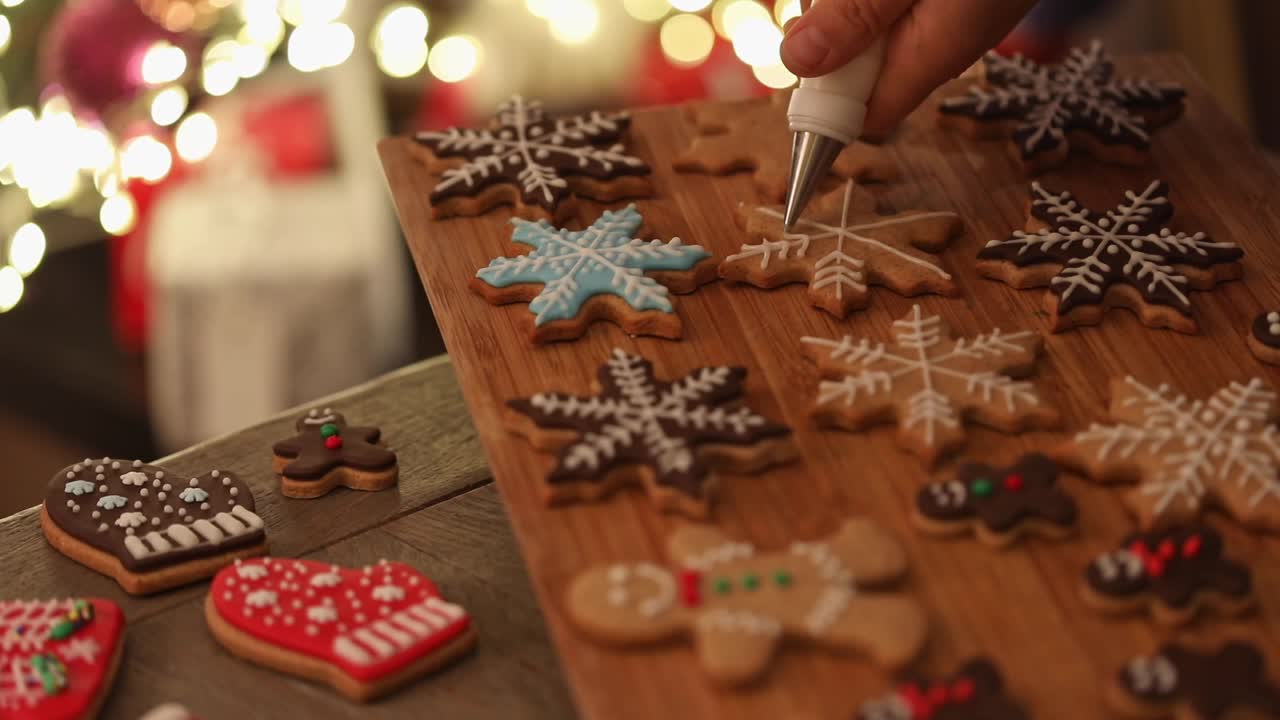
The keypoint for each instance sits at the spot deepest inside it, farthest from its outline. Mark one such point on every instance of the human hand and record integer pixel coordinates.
(928, 43)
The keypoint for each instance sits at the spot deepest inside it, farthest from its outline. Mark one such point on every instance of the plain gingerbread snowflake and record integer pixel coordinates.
(1125, 257)
(1188, 454)
(928, 383)
(842, 247)
(1048, 104)
(540, 159)
(574, 266)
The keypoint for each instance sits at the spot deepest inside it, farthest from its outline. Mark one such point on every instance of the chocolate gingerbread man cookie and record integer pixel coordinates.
(148, 528)
(1175, 572)
(1182, 683)
(1264, 337)
(975, 692)
(1000, 505)
(327, 453)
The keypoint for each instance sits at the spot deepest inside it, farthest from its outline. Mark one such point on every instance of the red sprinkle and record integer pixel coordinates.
(921, 707)
(690, 588)
(1191, 546)
(1155, 566)
(1167, 549)
(938, 695)
(962, 690)
(333, 442)
(1013, 482)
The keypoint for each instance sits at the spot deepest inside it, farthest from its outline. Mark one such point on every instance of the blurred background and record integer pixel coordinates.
(194, 228)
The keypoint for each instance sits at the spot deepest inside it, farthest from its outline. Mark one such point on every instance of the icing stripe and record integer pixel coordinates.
(403, 620)
(158, 543)
(435, 621)
(399, 637)
(453, 612)
(229, 525)
(135, 547)
(248, 517)
(181, 535)
(349, 651)
(207, 531)
(380, 646)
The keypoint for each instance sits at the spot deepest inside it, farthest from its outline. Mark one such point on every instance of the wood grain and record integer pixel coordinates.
(1019, 606)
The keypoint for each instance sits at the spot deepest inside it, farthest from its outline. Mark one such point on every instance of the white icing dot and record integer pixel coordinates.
(360, 617)
(155, 483)
(102, 488)
(128, 531)
(1133, 228)
(102, 527)
(160, 473)
(161, 495)
(182, 511)
(99, 469)
(1274, 328)
(231, 502)
(204, 506)
(1273, 317)
(226, 481)
(168, 508)
(311, 630)
(77, 467)
(189, 519)
(155, 521)
(227, 595)
(1242, 424)
(167, 487)
(70, 503)
(1104, 222)
(106, 460)
(235, 492)
(100, 477)
(193, 482)
(144, 492)
(87, 461)
(137, 504)
(288, 619)
(1087, 242)
(115, 466)
(1208, 416)
(137, 463)
(95, 515)
(71, 476)
(269, 621)
(1112, 249)
(215, 473)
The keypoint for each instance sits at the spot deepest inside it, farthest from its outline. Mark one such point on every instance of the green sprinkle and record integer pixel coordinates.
(750, 581)
(782, 578)
(722, 585)
(328, 430)
(982, 487)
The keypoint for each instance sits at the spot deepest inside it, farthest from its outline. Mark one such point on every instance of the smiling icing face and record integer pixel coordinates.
(647, 589)
(316, 417)
(626, 597)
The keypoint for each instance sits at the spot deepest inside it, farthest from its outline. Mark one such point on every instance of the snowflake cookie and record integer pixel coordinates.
(974, 692)
(574, 277)
(1185, 454)
(667, 435)
(841, 247)
(1048, 109)
(532, 162)
(1187, 683)
(750, 135)
(738, 604)
(928, 383)
(1125, 258)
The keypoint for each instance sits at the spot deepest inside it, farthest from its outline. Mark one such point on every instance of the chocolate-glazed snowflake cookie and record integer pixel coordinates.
(1264, 337)
(1187, 684)
(327, 453)
(1175, 572)
(1000, 505)
(975, 692)
(148, 528)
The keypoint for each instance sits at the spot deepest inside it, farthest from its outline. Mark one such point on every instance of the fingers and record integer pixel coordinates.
(932, 43)
(833, 32)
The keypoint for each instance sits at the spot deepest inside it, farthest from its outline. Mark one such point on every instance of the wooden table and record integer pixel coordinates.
(443, 518)
(1021, 607)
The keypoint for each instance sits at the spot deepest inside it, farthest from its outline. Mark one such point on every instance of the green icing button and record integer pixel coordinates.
(722, 585)
(782, 578)
(750, 581)
(328, 430)
(982, 487)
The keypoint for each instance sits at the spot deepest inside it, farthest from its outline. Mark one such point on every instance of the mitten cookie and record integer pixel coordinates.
(147, 528)
(841, 247)
(1181, 683)
(928, 384)
(1174, 572)
(755, 135)
(1050, 109)
(366, 631)
(58, 658)
(327, 453)
(974, 692)
(737, 604)
(1186, 455)
(574, 277)
(169, 711)
(1000, 505)
(1126, 258)
(668, 436)
(1264, 337)
(532, 162)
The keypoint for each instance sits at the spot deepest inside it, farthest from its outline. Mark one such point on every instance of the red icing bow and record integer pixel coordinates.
(925, 700)
(1157, 560)
(690, 588)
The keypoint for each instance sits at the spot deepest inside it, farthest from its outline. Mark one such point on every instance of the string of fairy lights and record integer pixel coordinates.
(59, 160)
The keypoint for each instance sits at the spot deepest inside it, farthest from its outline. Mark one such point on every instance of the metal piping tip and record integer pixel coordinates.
(811, 157)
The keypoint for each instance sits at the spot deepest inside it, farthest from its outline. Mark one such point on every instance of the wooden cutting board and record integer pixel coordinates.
(1021, 606)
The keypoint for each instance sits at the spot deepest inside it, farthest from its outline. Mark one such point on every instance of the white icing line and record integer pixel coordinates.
(380, 646)
(229, 524)
(158, 543)
(181, 535)
(135, 547)
(344, 648)
(207, 531)
(250, 518)
(398, 636)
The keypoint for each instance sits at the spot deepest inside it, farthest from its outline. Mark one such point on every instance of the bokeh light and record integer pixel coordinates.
(118, 214)
(163, 63)
(168, 105)
(689, 5)
(311, 12)
(686, 39)
(10, 288)
(774, 76)
(756, 41)
(728, 15)
(196, 137)
(454, 58)
(316, 46)
(647, 10)
(145, 157)
(26, 248)
(573, 22)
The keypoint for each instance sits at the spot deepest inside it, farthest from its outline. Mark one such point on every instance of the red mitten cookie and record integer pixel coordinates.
(365, 631)
(58, 658)
(327, 453)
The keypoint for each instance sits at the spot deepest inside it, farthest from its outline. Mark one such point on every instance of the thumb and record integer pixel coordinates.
(833, 32)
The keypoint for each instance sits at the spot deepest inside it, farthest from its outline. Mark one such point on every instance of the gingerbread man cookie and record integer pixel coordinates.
(1181, 683)
(148, 528)
(929, 384)
(1000, 505)
(1175, 572)
(58, 658)
(841, 247)
(1124, 258)
(327, 453)
(169, 711)
(738, 604)
(752, 135)
(533, 162)
(366, 631)
(974, 692)
(666, 435)
(1264, 337)
(1050, 109)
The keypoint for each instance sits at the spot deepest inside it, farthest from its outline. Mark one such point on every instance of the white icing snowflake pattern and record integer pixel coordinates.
(1187, 454)
(260, 598)
(944, 379)
(81, 649)
(388, 593)
(252, 571)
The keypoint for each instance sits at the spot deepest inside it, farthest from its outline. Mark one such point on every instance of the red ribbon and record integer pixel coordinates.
(690, 588)
(924, 702)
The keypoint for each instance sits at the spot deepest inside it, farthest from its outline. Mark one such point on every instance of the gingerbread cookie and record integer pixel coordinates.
(1175, 572)
(737, 604)
(169, 711)
(147, 528)
(327, 453)
(1182, 683)
(929, 384)
(1186, 455)
(1049, 109)
(974, 692)
(574, 277)
(1264, 337)
(58, 658)
(841, 247)
(666, 435)
(753, 135)
(1127, 258)
(1000, 505)
(365, 631)
(533, 162)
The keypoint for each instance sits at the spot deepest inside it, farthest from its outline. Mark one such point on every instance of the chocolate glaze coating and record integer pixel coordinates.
(1126, 572)
(974, 692)
(310, 459)
(1211, 683)
(1003, 509)
(1262, 329)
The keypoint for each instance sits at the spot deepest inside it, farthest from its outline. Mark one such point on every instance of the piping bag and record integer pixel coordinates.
(826, 114)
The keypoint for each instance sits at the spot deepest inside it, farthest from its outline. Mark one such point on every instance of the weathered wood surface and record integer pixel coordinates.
(443, 518)
(1020, 606)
